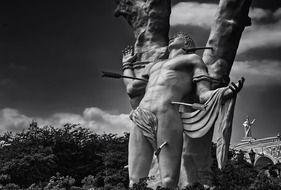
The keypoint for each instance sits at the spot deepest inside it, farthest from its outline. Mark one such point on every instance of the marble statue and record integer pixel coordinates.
(160, 78)
(157, 120)
(247, 127)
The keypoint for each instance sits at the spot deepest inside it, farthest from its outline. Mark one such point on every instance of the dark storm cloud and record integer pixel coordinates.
(269, 95)
(264, 32)
(260, 102)
(54, 52)
(260, 54)
(268, 4)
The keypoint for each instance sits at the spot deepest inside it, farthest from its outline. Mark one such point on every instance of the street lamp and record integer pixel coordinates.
(252, 156)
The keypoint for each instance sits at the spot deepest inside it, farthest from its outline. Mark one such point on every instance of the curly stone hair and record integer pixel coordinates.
(189, 43)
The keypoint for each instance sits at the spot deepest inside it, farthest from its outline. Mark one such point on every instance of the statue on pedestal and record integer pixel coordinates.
(247, 127)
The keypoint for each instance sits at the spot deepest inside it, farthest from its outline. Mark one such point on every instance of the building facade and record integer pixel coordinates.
(259, 152)
(266, 150)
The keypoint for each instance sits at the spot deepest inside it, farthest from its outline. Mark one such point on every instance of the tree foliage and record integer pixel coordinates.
(239, 174)
(73, 157)
(38, 153)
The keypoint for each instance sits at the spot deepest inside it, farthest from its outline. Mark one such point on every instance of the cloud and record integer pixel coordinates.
(258, 72)
(97, 120)
(13, 120)
(260, 15)
(277, 14)
(195, 14)
(260, 36)
(203, 14)
(266, 35)
(102, 121)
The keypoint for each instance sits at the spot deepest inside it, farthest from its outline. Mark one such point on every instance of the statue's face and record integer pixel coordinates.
(176, 43)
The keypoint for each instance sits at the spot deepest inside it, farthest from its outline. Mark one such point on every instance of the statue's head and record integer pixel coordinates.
(181, 40)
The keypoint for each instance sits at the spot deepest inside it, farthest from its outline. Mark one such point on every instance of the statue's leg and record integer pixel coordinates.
(197, 160)
(170, 130)
(140, 155)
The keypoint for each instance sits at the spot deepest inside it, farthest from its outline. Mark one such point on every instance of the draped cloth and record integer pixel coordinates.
(147, 122)
(199, 126)
(218, 113)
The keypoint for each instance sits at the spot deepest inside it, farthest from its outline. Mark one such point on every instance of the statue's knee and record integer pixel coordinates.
(169, 182)
(133, 180)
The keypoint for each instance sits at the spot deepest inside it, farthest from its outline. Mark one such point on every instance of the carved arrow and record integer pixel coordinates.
(119, 76)
(195, 49)
(194, 105)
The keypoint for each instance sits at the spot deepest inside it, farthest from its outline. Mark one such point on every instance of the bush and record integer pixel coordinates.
(60, 158)
(36, 154)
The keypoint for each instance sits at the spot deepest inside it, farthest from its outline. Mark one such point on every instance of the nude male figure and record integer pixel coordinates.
(156, 120)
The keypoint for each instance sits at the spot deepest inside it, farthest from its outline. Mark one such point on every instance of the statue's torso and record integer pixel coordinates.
(169, 80)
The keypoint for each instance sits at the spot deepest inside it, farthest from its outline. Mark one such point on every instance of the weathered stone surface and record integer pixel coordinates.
(134, 12)
(149, 20)
(231, 19)
(150, 23)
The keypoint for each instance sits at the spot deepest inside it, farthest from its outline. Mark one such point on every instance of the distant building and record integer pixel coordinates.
(260, 152)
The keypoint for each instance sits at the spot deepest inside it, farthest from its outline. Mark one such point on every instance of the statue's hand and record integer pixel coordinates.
(235, 88)
(128, 55)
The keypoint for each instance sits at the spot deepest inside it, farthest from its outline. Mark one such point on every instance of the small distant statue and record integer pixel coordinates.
(247, 127)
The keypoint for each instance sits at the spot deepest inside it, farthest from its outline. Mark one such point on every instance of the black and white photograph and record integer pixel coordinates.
(140, 95)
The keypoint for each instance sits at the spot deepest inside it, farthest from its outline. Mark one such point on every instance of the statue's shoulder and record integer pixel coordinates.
(192, 56)
(191, 59)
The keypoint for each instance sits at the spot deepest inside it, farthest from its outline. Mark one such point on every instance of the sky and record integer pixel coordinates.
(52, 54)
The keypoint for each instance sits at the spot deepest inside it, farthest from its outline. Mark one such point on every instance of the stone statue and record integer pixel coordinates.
(247, 127)
(149, 20)
(156, 120)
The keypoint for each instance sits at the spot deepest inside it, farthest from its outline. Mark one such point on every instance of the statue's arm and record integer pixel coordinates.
(202, 80)
(128, 58)
(253, 121)
(134, 87)
(204, 84)
(204, 91)
(130, 73)
(233, 89)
